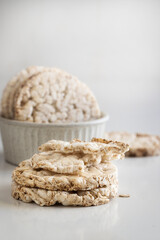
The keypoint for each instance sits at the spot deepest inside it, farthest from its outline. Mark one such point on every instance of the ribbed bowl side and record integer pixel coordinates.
(20, 141)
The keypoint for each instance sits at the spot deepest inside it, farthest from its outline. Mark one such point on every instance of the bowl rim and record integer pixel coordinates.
(104, 117)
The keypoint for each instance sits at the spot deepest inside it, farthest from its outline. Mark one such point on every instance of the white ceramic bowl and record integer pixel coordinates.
(22, 139)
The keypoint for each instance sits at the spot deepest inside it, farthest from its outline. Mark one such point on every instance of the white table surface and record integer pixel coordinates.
(137, 217)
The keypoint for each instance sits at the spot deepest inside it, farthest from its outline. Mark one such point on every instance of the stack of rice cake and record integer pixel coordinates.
(71, 173)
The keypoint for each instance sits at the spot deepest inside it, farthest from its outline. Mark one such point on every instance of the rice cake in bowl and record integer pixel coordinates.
(43, 103)
(48, 95)
(8, 97)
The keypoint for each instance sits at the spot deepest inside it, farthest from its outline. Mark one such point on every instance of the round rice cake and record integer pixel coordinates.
(101, 175)
(45, 197)
(54, 96)
(95, 146)
(58, 162)
(73, 157)
(140, 145)
(66, 163)
(7, 102)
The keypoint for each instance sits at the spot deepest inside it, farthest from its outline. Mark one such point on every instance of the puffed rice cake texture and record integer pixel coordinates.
(73, 157)
(71, 173)
(45, 197)
(48, 95)
(93, 177)
(140, 145)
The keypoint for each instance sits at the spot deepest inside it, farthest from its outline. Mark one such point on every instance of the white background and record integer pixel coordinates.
(113, 46)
